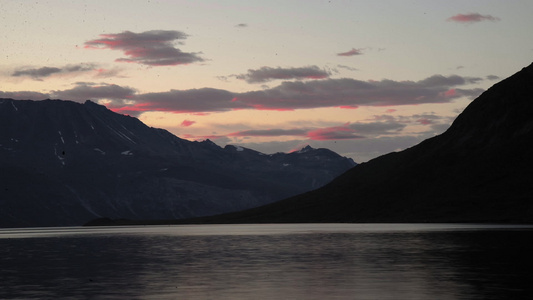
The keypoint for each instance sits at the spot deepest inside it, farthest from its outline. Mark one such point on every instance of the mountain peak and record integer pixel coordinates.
(500, 114)
(209, 143)
(90, 102)
(306, 149)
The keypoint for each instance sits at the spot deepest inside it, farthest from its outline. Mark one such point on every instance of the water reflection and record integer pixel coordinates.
(363, 264)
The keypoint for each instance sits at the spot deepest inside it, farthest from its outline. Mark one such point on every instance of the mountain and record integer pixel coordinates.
(65, 163)
(479, 170)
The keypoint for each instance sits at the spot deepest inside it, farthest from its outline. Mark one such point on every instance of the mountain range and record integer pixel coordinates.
(479, 170)
(65, 163)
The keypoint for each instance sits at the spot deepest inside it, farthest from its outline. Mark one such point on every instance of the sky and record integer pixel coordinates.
(362, 78)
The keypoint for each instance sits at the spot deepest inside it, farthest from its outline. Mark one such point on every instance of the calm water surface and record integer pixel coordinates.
(276, 261)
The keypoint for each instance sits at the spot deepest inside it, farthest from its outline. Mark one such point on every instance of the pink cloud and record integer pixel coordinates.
(424, 121)
(154, 48)
(351, 52)
(471, 18)
(334, 133)
(187, 123)
(450, 93)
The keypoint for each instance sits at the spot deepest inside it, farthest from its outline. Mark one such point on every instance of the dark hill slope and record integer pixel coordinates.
(479, 170)
(65, 163)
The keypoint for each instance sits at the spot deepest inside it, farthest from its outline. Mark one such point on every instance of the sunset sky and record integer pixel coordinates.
(362, 78)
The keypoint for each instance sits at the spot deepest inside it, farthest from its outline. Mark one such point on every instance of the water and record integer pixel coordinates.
(276, 261)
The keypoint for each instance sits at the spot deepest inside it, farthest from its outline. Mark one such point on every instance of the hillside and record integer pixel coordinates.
(65, 163)
(479, 170)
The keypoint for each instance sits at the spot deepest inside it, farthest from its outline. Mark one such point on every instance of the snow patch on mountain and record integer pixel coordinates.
(305, 149)
(61, 136)
(98, 150)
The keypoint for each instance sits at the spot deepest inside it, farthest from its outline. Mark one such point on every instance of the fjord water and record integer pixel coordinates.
(275, 261)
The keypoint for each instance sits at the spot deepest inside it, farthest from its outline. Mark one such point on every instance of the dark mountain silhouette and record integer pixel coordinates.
(479, 170)
(65, 163)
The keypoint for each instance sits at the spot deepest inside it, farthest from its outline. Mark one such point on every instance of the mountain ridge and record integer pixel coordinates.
(64, 163)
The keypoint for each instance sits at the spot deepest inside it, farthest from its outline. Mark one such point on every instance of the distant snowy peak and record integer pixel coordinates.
(307, 153)
(235, 148)
(305, 149)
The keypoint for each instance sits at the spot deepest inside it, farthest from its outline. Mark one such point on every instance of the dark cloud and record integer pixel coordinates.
(24, 95)
(473, 80)
(93, 91)
(38, 73)
(343, 93)
(453, 80)
(106, 73)
(78, 68)
(471, 18)
(351, 52)
(241, 25)
(471, 93)
(180, 101)
(223, 78)
(492, 77)
(265, 74)
(416, 119)
(352, 93)
(347, 67)
(154, 48)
